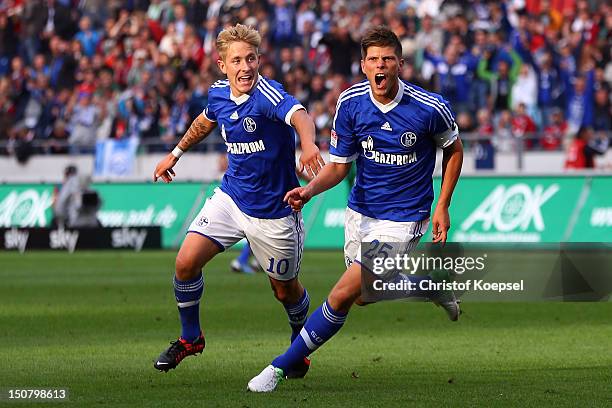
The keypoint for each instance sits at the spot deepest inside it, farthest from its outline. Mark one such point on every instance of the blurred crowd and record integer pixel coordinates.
(73, 72)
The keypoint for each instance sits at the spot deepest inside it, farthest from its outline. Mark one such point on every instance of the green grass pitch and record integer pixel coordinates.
(94, 321)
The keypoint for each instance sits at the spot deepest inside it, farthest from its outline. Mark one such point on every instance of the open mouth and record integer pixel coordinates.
(245, 79)
(381, 81)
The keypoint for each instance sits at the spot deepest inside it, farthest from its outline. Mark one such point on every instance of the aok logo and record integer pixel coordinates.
(25, 209)
(512, 208)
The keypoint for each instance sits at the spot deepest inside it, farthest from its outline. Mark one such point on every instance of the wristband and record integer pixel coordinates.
(177, 152)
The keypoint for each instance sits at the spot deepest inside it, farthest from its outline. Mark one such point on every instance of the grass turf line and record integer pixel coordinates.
(94, 321)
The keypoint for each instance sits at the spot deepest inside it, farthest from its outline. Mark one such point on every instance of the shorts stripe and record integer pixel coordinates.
(416, 235)
(298, 230)
(221, 247)
(417, 231)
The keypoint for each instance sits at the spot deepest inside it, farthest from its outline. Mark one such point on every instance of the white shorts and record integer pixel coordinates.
(360, 228)
(276, 243)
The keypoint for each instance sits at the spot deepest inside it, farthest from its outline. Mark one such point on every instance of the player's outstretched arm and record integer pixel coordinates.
(452, 160)
(332, 174)
(199, 129)
(310, 159)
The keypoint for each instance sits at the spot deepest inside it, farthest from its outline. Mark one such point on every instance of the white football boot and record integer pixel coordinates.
(267, 380)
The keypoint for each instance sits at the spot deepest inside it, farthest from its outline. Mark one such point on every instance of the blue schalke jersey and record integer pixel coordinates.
(395, 148)
(260, 145)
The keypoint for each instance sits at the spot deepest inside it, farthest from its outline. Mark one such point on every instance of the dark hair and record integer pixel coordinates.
(380, 36)
(70, 170)
(583, 132)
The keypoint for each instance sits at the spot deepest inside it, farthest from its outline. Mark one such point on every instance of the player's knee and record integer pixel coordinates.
(287, 292)
(283, 294)
(186, 268)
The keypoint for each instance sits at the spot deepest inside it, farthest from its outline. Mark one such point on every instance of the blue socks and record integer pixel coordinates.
(188, 294)
(321, 326)
(245, 253)
(297, 314)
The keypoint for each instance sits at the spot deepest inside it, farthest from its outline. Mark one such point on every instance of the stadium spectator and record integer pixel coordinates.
(503, 137)
(579, 108)
(429, 36)
(501, 80)
(65, 201)
(485, 154)
(602, 115)
(63, 64)
(84, 116)
(525, 90)
(87, 36)
(9, 42)
(283, 26)
(57, 141)
(583, 149)
(523, 126)
(555, 131)
(208, 34)
(454, 76)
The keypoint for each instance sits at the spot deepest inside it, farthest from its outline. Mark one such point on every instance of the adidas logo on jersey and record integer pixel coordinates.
(234, 115)
(386, 126)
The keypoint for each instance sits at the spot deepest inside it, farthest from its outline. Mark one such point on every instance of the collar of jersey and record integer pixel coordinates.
(384, 108)
(239, 100)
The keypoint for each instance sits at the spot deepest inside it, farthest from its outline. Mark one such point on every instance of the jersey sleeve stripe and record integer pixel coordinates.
(429, 103)
(447, 112)
(440, 107)
(341, 159)
(353, 89)
(264, 93)
(363, 92)
(271, 89)
(355, 86)
(349, 96)
(264, 88)
(293, 109)
(434, 100)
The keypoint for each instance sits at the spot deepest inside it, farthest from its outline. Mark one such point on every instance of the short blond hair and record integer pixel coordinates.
(239, 32)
